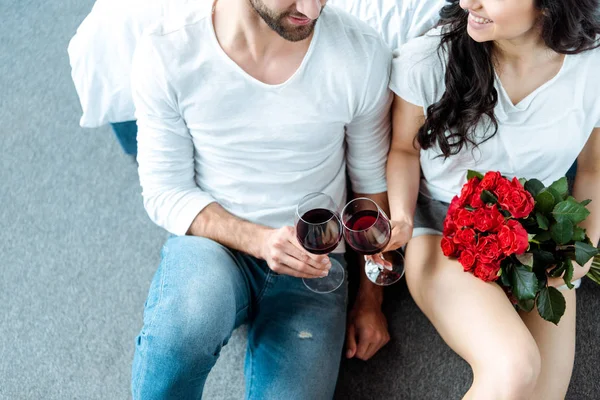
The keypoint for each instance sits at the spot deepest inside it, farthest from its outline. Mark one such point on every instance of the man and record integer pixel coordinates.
(243, 108)
(101, 58)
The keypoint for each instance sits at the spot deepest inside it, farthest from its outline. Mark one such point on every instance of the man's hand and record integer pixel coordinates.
(285, 255)
(367, 330)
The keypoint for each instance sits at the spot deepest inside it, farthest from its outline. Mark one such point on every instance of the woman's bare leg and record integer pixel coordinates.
(557, 349)
(476, 320)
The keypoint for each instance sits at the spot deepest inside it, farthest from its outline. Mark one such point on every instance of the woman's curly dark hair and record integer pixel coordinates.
(568, 27)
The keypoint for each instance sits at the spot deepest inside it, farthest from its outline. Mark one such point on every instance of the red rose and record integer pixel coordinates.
(463, 218)
(454, 205)
(488, 219)
(476, 201)
(489, 249)
(490, 181)
(448, 247)
(465, 237)
(487, 272)
(517, 201)
(503, 186)
(467, 258)
(513, 238)
(468, 190)
(449, 225)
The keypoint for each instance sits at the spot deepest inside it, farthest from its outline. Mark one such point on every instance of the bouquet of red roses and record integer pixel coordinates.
(519, 233)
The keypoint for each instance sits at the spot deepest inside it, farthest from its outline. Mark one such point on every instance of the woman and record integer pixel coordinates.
(512, 86)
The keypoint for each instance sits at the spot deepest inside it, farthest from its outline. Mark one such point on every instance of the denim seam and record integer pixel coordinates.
(142, 373)
(268, 281)
(249, 394)
(161, 288)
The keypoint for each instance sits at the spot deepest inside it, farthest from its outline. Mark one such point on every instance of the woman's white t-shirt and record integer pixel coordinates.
(540, 137)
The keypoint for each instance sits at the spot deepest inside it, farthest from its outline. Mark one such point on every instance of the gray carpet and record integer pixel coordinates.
(78, 251)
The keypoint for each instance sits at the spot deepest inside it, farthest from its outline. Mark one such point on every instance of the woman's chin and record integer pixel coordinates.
(479, 36)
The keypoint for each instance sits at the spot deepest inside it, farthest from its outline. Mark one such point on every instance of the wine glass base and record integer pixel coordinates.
(382, 276)
(328, 283)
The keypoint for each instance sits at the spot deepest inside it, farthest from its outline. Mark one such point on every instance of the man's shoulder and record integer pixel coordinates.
(179, 17)
(168, 40)
(348, 32)
(348, 24)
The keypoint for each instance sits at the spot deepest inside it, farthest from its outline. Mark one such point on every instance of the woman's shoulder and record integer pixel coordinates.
(585, 66)
(423, 51)
(584, 79)
(418, 69)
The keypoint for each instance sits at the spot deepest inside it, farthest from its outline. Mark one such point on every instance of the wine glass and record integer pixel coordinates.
(368, 231)
(319, 231)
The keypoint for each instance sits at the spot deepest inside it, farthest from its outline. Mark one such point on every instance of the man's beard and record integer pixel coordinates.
(279, 22)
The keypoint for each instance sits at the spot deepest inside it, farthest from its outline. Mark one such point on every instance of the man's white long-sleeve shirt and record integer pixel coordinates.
(101, 51)
(210, 132)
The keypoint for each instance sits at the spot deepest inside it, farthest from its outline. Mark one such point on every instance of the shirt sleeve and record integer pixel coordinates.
(418, 71)
(368, 134)
(165, 149)
(418, 17)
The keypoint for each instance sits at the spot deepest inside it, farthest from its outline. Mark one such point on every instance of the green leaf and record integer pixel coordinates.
(534, 187)
(544, 202)
(526, 305)
(585, 202)
(505, 278)
(543, 258)
(558, 270)
(568, 276)
(584, 252)
(524, 282)
(551, 304)
(562, 231)
(522, 181)
(542, 221)
(488, 197)
(557, 196)
(472, 174)
(594, 273)
(578, 234)
(526, 259)
(542, 237)
(562, 187)
(570, 210)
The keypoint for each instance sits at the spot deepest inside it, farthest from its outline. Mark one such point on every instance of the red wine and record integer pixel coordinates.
(319, 231)
(370, 233)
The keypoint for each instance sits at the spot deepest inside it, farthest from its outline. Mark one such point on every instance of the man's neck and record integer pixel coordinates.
(239, 28)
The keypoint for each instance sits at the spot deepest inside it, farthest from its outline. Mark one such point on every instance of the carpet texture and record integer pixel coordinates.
(78, 251)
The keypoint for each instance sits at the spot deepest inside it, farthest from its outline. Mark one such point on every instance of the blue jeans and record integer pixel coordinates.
(126, 133)
(201, 292)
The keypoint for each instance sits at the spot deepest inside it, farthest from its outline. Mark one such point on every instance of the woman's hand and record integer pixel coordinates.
(401, 234)
(578, 273)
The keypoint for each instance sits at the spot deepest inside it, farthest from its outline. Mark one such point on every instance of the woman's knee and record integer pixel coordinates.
(511, 373)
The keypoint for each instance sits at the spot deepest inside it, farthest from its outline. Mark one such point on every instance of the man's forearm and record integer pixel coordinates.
(368, 291)
(216, 223)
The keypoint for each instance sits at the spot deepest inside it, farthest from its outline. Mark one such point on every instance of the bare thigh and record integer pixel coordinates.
(475, 318)
(557, 349)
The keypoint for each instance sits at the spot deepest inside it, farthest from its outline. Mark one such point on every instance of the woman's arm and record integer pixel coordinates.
(403, 169)
(587, 186)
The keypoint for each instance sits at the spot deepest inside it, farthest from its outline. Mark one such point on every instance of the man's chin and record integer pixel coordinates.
(297, 33)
